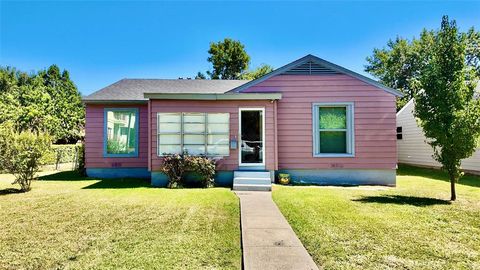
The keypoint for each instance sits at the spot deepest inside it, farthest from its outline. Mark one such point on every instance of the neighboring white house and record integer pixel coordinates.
(412, 148)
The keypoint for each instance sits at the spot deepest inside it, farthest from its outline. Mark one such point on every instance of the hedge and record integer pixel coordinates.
(63, 152)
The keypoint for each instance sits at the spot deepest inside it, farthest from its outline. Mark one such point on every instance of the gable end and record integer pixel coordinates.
(312, 65)
(310, 68)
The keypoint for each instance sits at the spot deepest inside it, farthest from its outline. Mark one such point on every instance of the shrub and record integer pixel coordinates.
(65, 152)
(80, 150)
(20, 153)
(204, 167)
(175, 166)
(59, 153)
(49, 157)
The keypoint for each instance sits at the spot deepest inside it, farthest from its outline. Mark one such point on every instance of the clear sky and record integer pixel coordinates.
(102, 42)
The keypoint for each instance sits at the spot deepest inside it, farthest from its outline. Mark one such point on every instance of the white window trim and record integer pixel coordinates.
(350, 129)
(182, 133)
(240, 163)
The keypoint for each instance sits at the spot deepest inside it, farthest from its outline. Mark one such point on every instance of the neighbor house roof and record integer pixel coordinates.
(476, 95)
(135, 89)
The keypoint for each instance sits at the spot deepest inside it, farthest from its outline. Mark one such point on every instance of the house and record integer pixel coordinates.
(319, 122)
(412, 146)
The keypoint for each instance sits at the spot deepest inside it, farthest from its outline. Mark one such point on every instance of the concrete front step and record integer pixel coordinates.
(251, 174)
(252, 181)
(252, 187)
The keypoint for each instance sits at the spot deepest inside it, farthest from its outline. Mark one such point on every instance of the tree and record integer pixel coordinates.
(257, 73)
(445, 106)
(44, 101)
(230, 62)
(229, 59)
(24, 101)
(399, 65)
(67, 106)
(200, 76)
(9, 103)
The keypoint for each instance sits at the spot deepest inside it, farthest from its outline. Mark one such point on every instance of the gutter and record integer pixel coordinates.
(236, 96)
(107, 101)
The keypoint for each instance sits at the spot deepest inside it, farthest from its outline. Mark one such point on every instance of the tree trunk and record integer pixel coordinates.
(452, 188)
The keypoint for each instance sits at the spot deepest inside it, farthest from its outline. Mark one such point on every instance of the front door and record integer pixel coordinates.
(252, 137)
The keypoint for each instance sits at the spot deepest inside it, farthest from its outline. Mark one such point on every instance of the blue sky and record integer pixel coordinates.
(102, 42)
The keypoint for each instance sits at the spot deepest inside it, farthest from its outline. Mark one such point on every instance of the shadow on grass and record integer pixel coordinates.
(101, 183)
(400, 199)
(119, 183)
(9, 191)
(436, 174)
(65, 176)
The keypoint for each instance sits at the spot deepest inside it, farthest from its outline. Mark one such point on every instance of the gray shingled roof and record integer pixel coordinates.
(133, 89)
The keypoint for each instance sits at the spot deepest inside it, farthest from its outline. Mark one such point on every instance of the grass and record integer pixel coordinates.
(412, 226)
(71, 222)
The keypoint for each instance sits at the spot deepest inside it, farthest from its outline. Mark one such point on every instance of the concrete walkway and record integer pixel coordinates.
(268, 240)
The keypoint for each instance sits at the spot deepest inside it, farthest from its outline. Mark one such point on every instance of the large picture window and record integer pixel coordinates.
(121, 132)
(195, 133)
(333, 129)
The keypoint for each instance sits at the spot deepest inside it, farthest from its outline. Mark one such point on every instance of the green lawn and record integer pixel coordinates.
(412, 226)
(69, 222)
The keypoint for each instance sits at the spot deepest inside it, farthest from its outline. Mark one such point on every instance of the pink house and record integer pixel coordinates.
(317, 121)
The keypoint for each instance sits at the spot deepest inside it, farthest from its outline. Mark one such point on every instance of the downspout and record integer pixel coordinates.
(149, 137)
(276, 134)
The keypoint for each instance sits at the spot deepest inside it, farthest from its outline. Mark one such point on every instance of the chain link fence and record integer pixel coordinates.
(65, 157)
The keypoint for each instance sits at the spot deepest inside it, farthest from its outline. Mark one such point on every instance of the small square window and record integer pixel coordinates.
(399, 133)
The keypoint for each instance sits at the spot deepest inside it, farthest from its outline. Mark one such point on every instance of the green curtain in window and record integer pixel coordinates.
(333, 141)
(332, 130)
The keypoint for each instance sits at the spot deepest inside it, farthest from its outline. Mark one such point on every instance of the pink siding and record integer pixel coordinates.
(94, 139)
(227, 163)
(288, 125)
(375, 139)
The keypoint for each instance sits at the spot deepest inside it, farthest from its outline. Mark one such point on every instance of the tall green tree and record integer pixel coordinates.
(399, 65)
(257, 73)
(445, 106)
(24, 101)
(229, 59)
(47, 101)
(67, 106)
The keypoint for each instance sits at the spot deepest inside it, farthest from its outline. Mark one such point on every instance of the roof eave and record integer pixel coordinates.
(110, 101)
(358, 76)
(226, 96)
